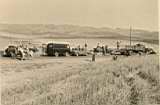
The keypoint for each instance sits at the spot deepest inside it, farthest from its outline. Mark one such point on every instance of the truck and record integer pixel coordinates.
(57, 49)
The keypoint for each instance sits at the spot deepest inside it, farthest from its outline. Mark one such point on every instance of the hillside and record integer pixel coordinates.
(74, 31)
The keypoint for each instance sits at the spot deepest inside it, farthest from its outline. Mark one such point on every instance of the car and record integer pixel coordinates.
(57, 49)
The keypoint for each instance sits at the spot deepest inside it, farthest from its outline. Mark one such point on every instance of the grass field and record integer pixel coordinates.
(48, 81)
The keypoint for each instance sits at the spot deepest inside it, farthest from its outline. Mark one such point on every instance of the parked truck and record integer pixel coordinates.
(57, 49)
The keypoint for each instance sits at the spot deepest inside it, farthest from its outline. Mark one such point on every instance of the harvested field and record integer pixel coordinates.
(78, 81)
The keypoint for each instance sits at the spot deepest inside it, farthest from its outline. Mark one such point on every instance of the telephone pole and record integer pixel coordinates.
(130, 35)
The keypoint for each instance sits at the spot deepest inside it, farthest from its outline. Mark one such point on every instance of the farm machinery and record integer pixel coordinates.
(18, 52)
(23, 51)
(102, 50)
(133, 50)
(79, 52)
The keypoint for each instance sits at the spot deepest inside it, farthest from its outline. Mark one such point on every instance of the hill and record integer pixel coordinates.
(74, 31)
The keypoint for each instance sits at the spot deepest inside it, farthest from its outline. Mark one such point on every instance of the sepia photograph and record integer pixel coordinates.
(79, 52)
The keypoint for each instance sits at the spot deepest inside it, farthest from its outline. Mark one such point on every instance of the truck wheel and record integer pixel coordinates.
(67, 54)
(56, 54)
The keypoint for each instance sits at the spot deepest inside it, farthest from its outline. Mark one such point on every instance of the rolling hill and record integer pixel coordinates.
(74, 31)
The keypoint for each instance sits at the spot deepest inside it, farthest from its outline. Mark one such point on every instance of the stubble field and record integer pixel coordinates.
(78, 81)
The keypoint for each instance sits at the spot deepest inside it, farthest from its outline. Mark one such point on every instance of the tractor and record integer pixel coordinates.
(17, 52)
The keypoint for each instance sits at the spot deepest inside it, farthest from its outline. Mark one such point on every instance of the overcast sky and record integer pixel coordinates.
(99, 13)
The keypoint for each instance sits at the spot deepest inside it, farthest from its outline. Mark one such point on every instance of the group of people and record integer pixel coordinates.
(102, 49)
(84, 48)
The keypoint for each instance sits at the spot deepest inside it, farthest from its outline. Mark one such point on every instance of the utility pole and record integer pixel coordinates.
(10, 39)
(130, 35)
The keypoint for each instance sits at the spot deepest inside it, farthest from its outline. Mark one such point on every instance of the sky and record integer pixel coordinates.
(142, 14)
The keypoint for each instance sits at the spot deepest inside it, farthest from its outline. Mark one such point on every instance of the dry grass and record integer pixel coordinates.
(127, 81)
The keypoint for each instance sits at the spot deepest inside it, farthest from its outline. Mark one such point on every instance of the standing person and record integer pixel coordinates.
(20, 49)
(44, 49)
(85, 46)
(118, 45)
(79, 47)
(103, 50)
(98, 45)
(93, 57)
(106, 48)
(98, 49)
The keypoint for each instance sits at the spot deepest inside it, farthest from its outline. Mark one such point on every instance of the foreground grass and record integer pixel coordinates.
(127, 81)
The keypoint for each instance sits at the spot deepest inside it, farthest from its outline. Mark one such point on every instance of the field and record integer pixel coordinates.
(78, 81)
(132, 80)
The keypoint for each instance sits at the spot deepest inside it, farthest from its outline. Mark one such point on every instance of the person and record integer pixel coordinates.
(79, 47)
(103, 50)
(44, 49)
(106, 48)
(20, 49)
(118, 45)
(26, 49)
(85, 47)
(93, 57)
(99, 48)
(98, 45)
(115, 57)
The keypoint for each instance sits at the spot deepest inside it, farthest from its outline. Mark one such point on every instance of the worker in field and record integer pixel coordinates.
(115, 57)
(93, 57)
(27, 52)
(22, 53)
(106, 48)
(44, 49)
(85, 46)
(26, 49)
(98, 45)
(79, 47)
(103, 50)
(118, 45)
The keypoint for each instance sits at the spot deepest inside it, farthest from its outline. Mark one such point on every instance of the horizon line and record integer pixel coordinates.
(98, 27)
